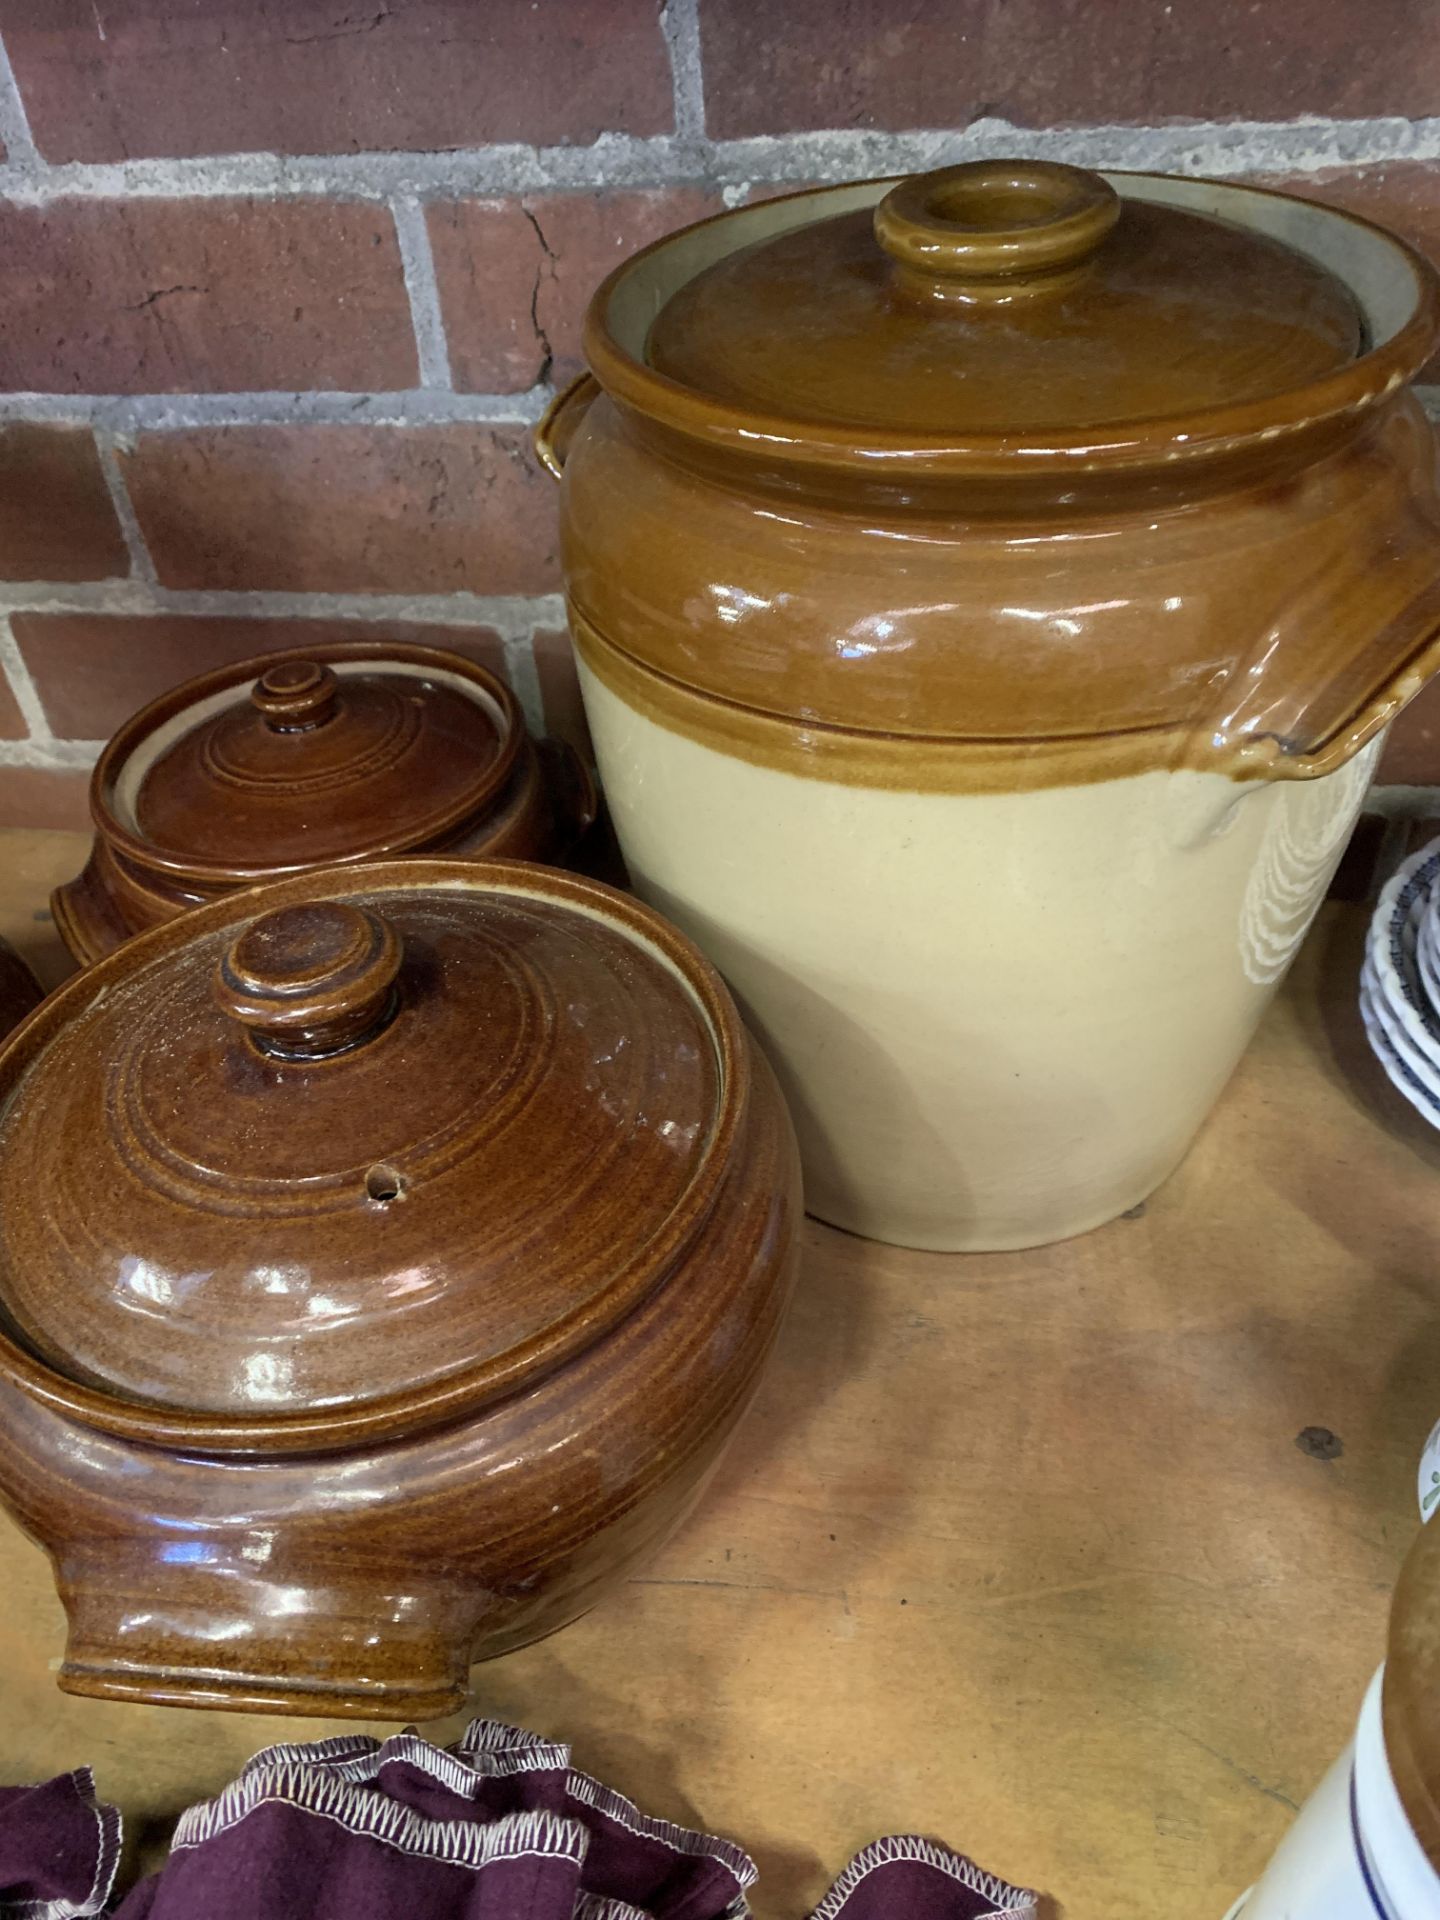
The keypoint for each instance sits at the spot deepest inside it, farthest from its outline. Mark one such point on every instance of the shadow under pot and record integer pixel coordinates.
(425, 1231)
(350, 752)
(20, 991)
(990, 591)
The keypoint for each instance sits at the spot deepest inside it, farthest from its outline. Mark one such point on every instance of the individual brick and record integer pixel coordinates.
(317, 509)
(57, 520)
(125, 78)
(516, 275)
(560, 689)
(202, 296)
(45, 797)
(93, 670)
(12, 721)
(945, 63)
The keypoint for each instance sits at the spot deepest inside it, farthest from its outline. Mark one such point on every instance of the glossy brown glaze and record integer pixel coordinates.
(285, 763)
(1180, 513)
(363, 1155)
(1410, 1701)
(20, 991)
(989, 298)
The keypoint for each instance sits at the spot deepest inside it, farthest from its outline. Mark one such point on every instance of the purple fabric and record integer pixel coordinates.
(498, 1827)
(58, 1849)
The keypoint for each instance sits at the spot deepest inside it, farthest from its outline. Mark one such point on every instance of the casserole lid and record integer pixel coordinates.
(1004, 295)
(355, 1151)
(293, 760)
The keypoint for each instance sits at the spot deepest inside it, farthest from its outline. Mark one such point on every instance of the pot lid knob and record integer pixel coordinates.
(296, 696)
(995, 230)
(311, 980)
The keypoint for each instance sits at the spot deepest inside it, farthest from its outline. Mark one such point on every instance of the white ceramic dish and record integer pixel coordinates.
(1423, 1066)
(1393, 929)
(1396, 1071)
(1399, 1002)
(1423, 972)
(1352, 1853)
(1427, 945)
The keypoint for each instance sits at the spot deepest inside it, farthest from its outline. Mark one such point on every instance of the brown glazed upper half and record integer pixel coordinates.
(1050, 477)
(392, 1251)
(352, 751)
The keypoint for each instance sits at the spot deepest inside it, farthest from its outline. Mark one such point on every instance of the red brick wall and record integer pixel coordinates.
(284, 284)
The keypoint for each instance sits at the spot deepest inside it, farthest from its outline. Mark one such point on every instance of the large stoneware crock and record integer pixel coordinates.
(351, 751)
(990, 590)
(386, 1258)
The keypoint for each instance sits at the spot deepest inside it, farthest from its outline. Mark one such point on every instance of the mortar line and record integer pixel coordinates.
(523, 672)
(680, 25)
(22, 685)
(426, 315)
(508, 614)
(162, 412)
(51, 756)
(20, 148)
(142, 567)
(1220, 148)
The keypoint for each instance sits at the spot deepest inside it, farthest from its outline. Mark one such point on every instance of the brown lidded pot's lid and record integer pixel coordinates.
(1005, 295)
(1009, 318)
(355, 1152)
(1009, 475)
(292, 760)
(1410, 1701)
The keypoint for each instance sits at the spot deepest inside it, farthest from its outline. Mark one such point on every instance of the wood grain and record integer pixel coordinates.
(1018, 1550)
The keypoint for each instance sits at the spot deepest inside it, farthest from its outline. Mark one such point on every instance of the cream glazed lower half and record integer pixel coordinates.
(999, 1018)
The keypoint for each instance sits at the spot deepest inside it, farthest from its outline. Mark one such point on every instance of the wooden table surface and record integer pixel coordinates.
(1019, 1551)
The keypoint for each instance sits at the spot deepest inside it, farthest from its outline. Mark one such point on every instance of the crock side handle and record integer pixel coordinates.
(1323, 739)
(562, 420)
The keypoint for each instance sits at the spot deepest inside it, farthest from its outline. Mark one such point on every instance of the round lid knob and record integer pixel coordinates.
(296, 695)
(995, 229)
(311, 980)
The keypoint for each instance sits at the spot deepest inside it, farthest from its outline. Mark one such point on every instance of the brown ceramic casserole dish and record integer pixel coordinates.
(990, 590)
(349, 752)
(388, 1257)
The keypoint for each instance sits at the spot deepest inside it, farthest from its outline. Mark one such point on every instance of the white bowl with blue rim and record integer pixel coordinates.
(1399, 1002)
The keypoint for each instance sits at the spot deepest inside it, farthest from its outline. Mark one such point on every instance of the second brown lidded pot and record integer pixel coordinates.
(349, 752)
(388, 1257)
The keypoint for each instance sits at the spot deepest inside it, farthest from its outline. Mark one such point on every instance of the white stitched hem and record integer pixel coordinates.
(455, 1843)
(107, 1860)
(1008, 1903)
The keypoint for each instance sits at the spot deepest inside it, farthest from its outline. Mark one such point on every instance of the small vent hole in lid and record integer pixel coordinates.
(382, 1185)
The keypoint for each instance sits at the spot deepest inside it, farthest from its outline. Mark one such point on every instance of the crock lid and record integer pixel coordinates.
(1005, 295)
(295, 760)
(354, 1150)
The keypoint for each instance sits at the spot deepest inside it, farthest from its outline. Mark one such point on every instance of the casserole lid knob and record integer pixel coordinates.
(311, 980)
(994, 229)
(295, 695)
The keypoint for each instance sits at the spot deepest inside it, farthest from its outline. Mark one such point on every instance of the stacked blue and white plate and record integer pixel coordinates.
(1400, 981)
